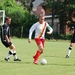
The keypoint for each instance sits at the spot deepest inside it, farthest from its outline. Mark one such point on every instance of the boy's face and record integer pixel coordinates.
(8, 21)
(41, 18)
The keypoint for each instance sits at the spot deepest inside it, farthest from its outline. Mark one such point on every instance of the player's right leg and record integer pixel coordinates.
(10, 51)
(39, 51)
(69, 50)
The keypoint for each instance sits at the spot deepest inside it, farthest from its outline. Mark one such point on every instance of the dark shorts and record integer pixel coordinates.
(6, 44)
(72, 40)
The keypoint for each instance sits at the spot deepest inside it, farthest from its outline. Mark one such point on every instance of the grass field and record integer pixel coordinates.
(54, 53)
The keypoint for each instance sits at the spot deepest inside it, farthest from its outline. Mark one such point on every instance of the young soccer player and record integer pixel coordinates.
(6, 40)
(40, 29)
(72, 39)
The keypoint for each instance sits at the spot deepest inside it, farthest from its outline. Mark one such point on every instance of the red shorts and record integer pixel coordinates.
(40, 41)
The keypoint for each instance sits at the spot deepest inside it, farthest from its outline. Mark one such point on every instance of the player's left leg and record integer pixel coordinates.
(12, 52)
(12, 47)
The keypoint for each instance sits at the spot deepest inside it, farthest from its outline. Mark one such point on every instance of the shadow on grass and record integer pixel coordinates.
(18, 62)
(62, 64)
(21, 62)
(55, 56)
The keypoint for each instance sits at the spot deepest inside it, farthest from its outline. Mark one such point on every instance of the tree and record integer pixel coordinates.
(64, 9)
(28, 4)
(20, 17)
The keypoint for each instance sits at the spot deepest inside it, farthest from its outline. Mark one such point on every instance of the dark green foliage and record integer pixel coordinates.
(64, 9)
(20, 17)
(61, 36)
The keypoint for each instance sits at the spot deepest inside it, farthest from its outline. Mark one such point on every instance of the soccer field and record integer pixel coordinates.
(54, 53)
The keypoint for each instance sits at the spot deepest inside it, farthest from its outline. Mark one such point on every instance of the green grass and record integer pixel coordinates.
(54, 53)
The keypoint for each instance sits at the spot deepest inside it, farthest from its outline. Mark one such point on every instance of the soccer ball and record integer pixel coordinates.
(43, 61)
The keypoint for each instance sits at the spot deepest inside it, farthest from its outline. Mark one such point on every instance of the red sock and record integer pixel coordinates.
(37, 55)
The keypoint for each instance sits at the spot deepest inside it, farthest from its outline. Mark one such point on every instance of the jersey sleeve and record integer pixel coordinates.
(49, 28)
(5, 30)
(72, 26)
(33, 27)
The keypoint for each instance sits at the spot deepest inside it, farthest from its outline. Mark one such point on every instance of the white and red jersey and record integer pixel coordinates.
(39, 30)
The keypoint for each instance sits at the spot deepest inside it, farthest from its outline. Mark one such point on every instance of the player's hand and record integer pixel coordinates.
(48, 33)
(8, 41)
(29, 40)
(72, 32)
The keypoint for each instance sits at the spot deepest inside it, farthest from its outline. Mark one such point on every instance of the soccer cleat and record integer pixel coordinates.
(17, 59)
(6, 59)
(35, 60)
(67, 56)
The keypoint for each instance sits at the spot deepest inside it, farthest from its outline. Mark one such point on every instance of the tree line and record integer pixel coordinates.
(21, 18)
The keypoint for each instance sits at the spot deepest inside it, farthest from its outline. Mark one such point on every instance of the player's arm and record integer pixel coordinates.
(50, 30)
(5, 34)
(72, 30)
(33, 27)
(7, 39)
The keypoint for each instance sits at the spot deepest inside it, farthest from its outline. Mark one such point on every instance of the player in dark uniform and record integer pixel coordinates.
(72, 29)
(6, 40)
